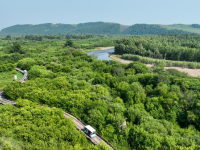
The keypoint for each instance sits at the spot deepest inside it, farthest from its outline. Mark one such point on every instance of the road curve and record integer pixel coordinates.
(5, 101)
(79, 124)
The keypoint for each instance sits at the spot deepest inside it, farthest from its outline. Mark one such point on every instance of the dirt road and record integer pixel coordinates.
(120, 60)
(191, 72)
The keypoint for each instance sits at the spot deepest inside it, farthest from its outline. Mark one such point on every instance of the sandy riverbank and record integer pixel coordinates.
(104, 48)
(191, 72)
(99, 49)
(120, 60)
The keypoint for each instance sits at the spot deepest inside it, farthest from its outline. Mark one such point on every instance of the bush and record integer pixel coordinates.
(40, 72)
(26, 63)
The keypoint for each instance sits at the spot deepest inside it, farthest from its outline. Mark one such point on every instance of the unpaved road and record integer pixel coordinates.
(191, 72)
(120, 60)
(104, 48)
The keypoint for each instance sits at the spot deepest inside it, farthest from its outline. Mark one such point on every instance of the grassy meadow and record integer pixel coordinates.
(7, 77)
(183, 27)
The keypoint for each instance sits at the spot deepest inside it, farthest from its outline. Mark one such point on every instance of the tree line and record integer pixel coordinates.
(169, 47)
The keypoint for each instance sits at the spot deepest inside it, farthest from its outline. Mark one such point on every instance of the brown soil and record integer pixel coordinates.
(120, 60)
(104, 48)
(191, 72)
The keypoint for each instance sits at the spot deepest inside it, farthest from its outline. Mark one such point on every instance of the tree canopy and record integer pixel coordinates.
(132, 106)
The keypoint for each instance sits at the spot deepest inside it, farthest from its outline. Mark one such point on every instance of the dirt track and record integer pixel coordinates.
(104, 48)
(191, 72)
(120, 60)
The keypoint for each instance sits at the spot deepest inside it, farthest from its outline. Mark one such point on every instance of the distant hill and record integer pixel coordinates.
(193, 28)
(99, 28)
(48, 28)
(143, 29)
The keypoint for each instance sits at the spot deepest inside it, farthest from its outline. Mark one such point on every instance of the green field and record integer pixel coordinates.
(19, 75)
(183, 27)
(7, 77)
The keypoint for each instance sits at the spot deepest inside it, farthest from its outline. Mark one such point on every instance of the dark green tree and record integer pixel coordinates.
(69, 43)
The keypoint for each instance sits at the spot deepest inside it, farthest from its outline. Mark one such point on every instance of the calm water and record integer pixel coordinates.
(102, 54)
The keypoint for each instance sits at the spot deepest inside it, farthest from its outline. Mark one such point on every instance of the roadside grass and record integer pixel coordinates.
(183, 27)
(19, 75)
(7, 77)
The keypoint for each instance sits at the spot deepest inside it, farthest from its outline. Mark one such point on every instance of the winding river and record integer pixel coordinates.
(102, 54)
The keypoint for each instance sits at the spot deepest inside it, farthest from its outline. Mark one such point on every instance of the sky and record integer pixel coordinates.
(127, 12)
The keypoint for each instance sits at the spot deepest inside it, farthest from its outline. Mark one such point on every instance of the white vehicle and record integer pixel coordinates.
(91, 132)
(25, 71)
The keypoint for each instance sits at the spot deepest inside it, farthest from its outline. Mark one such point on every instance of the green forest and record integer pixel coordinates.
(146, 29)
(169, 47)
(104, 28)
(27, 126)
(131, 106)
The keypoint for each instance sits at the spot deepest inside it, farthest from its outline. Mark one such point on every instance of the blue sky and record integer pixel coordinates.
(126, 12)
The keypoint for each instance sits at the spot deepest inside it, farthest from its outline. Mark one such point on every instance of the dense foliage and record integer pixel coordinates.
(169, 47)
(145, 29)
(195, 25)
(88, 28)
(28, 126)
(131, 106)
(48, 28)
(78, 41)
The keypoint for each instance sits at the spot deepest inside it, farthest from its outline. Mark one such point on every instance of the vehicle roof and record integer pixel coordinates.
(90, 128)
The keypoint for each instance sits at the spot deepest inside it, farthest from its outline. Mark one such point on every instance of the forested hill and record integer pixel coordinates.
(144, 29)
(90, 28)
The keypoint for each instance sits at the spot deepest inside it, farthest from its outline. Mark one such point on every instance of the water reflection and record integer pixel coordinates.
(102, 54)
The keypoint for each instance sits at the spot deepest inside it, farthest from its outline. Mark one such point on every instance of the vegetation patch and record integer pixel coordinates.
(28, 126)
(169, 47)
(167, 63)
(130, 105)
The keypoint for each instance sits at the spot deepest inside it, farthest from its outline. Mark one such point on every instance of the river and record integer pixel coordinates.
(102, 54)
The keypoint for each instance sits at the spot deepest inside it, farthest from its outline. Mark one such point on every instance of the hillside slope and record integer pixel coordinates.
(144, 29)
(83, 28)
(99, 28)
(188, 28)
